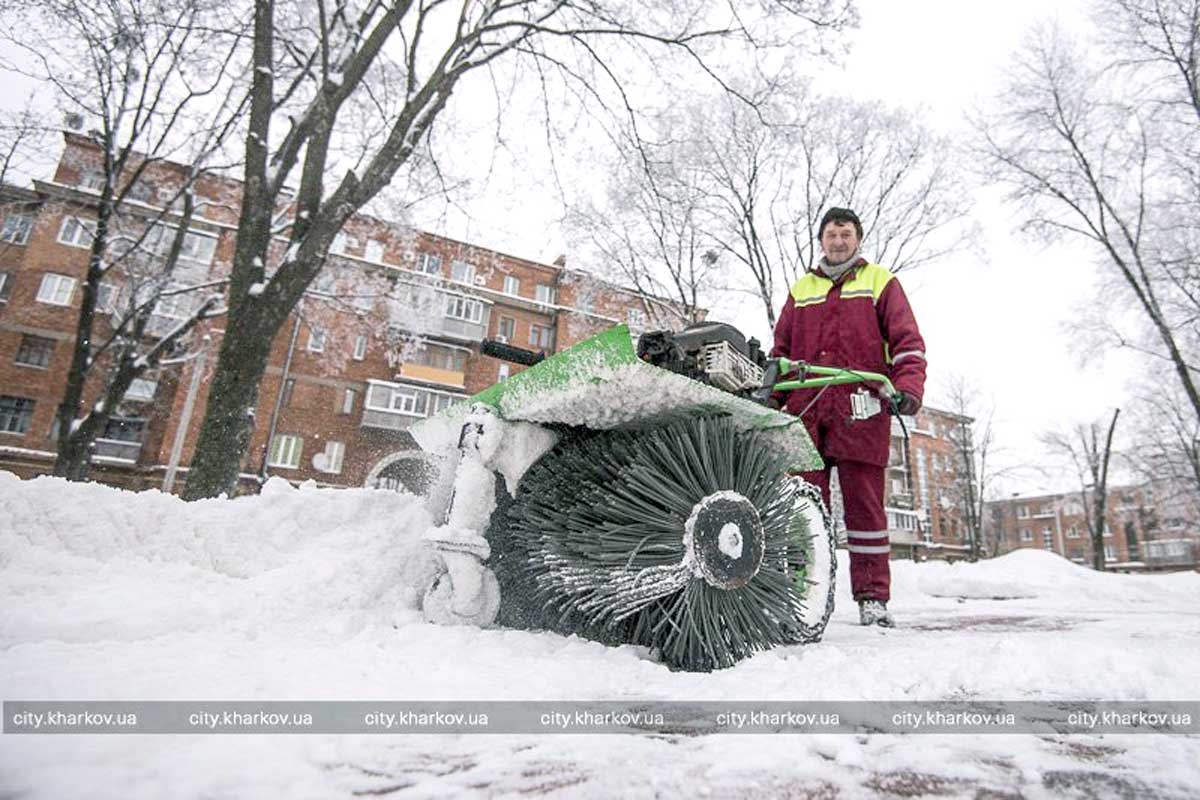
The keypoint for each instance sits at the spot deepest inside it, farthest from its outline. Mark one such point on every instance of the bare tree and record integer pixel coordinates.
(312, 59)
(1104, 152)
(1089, 449)
(153, 81)
(21, 133)
(649, 233)
(973, 439)
(760, 168)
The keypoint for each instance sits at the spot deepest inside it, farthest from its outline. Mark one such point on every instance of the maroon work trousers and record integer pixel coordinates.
(866, 525)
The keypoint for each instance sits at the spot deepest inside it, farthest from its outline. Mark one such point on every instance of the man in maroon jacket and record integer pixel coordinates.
(849, 313)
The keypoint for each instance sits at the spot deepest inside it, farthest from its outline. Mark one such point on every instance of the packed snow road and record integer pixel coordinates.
(311, 595)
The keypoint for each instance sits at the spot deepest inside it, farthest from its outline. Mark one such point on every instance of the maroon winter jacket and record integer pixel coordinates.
(862, 321)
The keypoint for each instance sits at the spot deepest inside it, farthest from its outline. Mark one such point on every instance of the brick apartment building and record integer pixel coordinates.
(1144, 528)
(387, 335)
(923, 494)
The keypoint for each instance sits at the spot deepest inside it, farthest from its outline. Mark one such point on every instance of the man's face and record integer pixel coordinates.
(839, 240)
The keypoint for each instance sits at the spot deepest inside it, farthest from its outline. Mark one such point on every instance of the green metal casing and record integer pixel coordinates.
(600, 383)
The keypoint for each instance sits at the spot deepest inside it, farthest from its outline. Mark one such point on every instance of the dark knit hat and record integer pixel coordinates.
(840, 215)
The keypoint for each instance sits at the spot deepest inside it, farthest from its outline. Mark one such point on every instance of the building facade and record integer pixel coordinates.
(924, 491)
(1143, 529)
(388, 334)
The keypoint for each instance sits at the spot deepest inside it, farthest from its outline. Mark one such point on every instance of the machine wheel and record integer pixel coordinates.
(816, 576)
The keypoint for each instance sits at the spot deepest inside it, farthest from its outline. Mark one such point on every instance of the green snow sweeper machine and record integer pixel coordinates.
(637, 493)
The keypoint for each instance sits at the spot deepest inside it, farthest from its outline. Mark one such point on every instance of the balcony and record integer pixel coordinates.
(1169, 553)
(443, 377)
(396, 406)
(117, 450)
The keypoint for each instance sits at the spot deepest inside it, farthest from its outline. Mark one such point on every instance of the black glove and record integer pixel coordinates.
(905, 404)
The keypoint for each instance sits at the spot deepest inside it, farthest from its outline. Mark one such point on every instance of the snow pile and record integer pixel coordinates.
(86, 563)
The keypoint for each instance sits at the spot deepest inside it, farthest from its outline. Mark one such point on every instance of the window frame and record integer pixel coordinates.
(40, 346)
(286, 444)
(467, 303)
(515, 283)
(19, 235)
(79, 224)
(360, 347)
(19, 415)
(317, 339)
(58, 279)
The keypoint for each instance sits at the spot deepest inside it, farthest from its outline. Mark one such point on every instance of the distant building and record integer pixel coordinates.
(923, 492)
(387, 335)
(1145, 529)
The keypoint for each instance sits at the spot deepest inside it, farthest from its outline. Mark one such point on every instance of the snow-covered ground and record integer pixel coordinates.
(306, 594)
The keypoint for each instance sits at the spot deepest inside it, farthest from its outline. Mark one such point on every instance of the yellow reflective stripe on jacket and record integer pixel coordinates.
(810, 289)
(869, 281)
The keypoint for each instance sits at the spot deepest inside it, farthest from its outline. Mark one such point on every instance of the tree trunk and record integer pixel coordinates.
(229, 416)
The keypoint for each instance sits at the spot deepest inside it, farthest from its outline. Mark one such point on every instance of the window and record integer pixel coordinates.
(35, 351)
(56, 289)
(330, 460)
(1047, 539)
(141, 390)
(15, 414)
(458, 307)
(340, 242)
(285, 451)
(1022, 512)
(106, 298)
(1110, 554)
(16, 228)
(408, 402)
(635, 318)
(348, 401)
(1026, 535)
(316, 340)
(360, 347)
(462, 272)
(429, 264)
(140, 192)
(512, 285)
(76, 232)
(169, 311)
(374, 251)
(502, 373)
(5, 286)
(196, 247)
(541, 336)
(585, 303)
(506, 329)
(544, 293)
(441, 357)
(92, 179)
(123, 429)
(1073, 532)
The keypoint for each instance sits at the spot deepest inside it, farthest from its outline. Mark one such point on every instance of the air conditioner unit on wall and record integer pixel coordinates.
(480, 280)
(501, 338)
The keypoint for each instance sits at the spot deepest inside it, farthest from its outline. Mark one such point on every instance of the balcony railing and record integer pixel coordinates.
(396, 406)
(116, 449)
